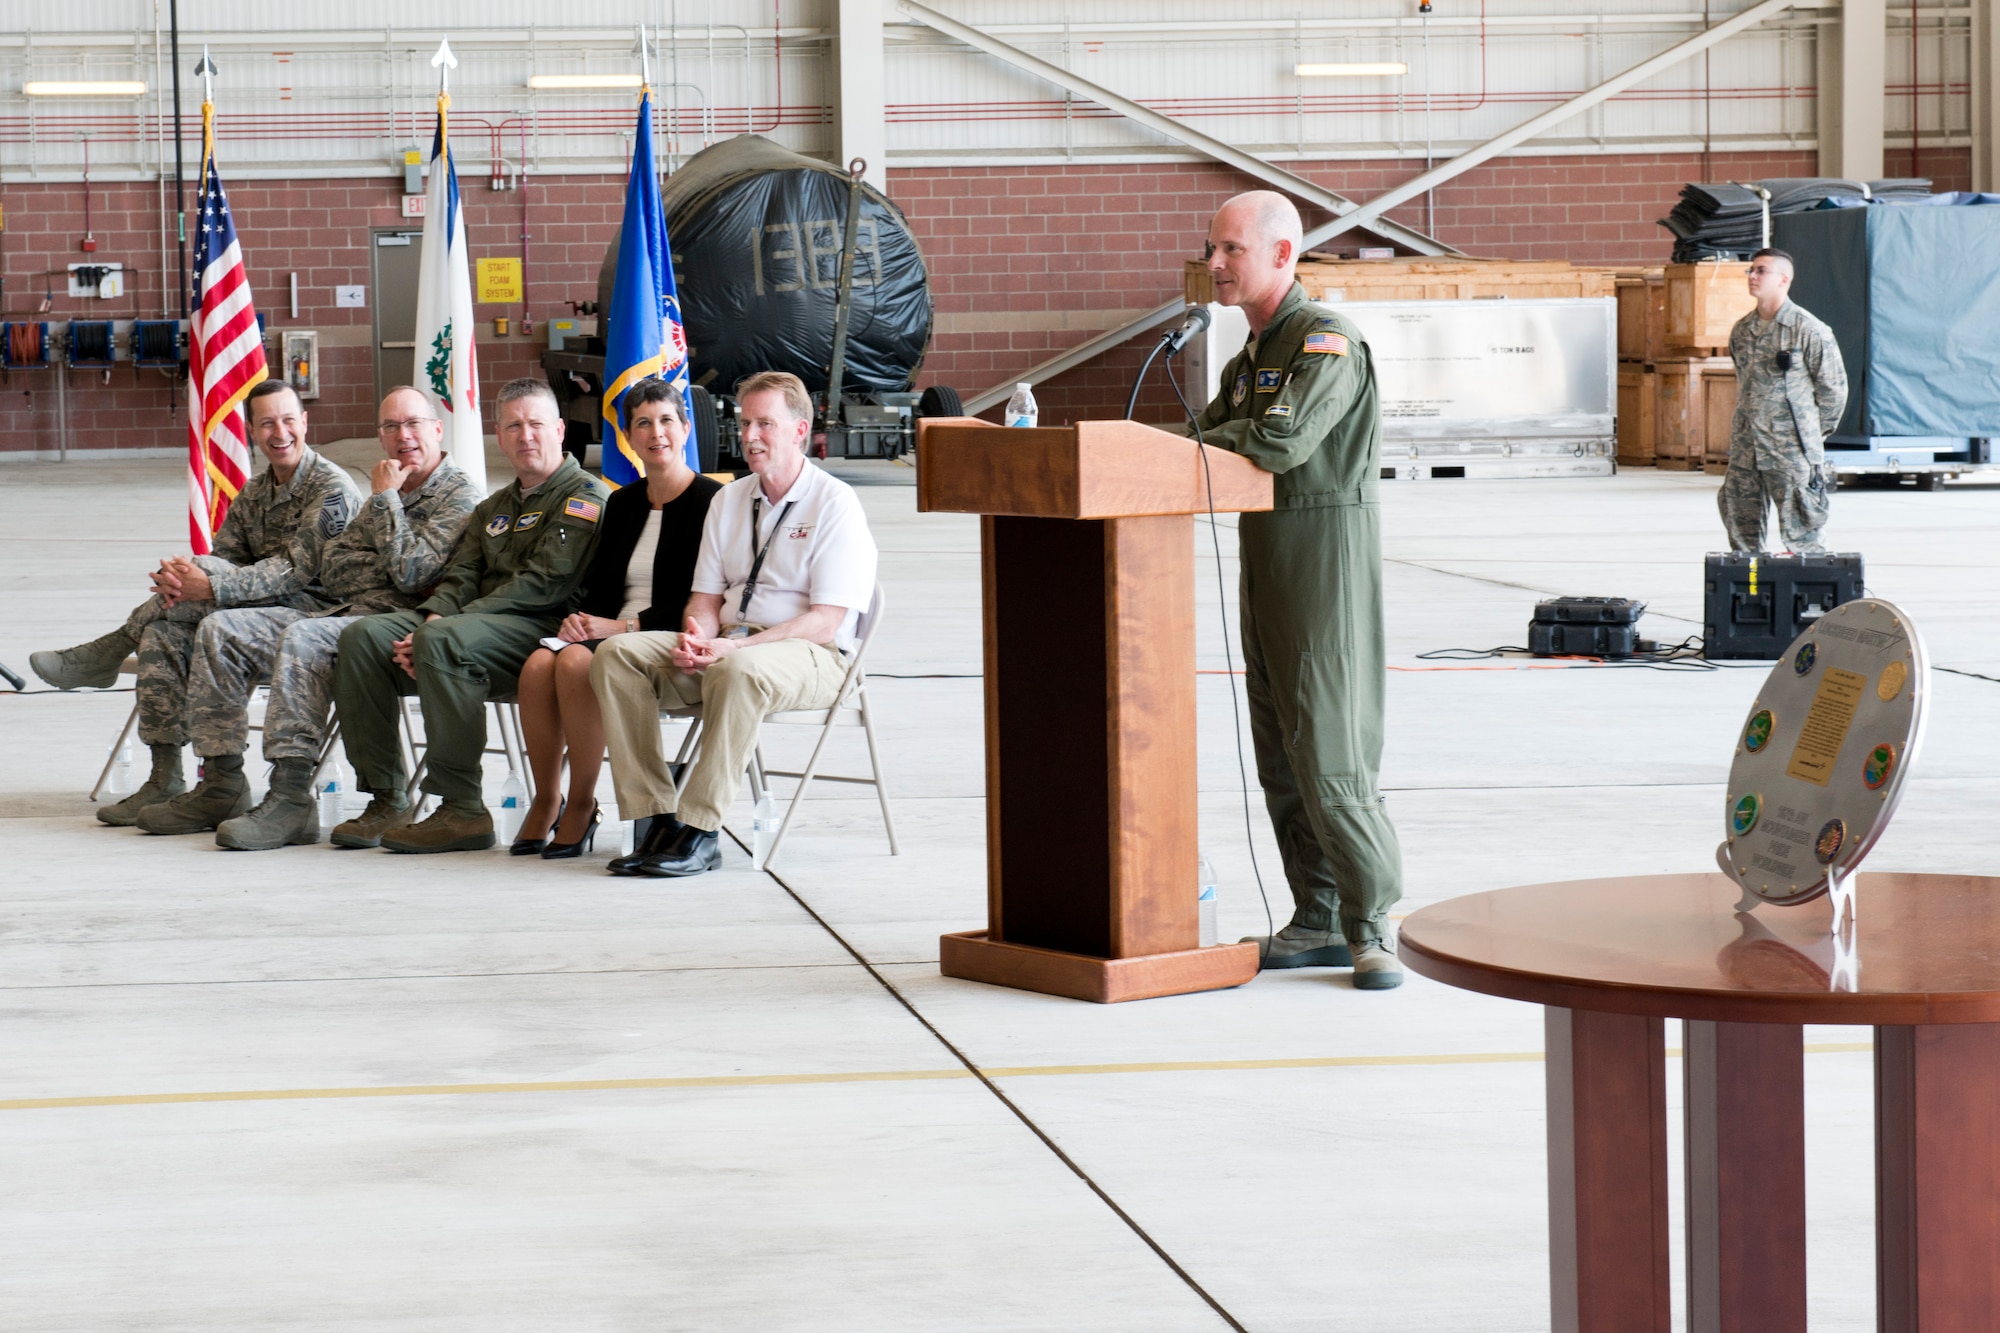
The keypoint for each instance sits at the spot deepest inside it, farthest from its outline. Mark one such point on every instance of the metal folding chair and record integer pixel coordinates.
(850, 708)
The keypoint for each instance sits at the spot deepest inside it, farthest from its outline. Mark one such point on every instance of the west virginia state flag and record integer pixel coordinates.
(446, 370)
(643, 335)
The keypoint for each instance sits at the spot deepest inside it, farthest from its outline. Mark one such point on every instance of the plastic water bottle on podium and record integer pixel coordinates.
(513, 808)
(1205, 900)
(1021, 409)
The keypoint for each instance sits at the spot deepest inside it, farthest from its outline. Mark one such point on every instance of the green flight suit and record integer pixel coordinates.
(1300, 402)
(513, 576)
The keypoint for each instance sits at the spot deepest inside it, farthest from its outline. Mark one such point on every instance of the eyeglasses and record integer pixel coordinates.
(393, 428)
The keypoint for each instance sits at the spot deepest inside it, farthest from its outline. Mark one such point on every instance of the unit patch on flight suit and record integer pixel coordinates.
(500, 523)
(1278, 410)
(1240, 390)
(528, 521)
(1270, 381)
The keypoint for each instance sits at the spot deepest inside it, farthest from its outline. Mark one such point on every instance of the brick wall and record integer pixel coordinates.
(319, 229)
(1043, 247)
(1025, 262)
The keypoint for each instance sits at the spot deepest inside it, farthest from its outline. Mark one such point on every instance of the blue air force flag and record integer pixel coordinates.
(643, 335)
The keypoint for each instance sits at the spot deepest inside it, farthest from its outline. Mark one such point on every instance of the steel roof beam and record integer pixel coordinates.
(1366, 215)
(1247, 163)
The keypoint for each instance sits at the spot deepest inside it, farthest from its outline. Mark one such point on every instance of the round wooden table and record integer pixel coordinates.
(1612, 958)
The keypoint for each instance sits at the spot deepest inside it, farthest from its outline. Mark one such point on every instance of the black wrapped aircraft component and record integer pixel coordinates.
(756, 231)
(1590, 626)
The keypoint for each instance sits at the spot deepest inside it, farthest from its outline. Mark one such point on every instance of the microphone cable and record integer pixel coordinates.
(1228, 660)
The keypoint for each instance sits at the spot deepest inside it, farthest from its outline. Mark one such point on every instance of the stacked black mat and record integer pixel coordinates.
(1724, 221)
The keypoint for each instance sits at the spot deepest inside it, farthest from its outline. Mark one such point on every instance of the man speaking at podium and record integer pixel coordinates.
(1299, 401)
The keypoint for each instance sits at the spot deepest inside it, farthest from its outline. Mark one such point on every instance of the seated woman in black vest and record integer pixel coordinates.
(638, 580)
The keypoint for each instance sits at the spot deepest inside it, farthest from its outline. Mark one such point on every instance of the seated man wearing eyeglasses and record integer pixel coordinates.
(385, 560)
(787, 566)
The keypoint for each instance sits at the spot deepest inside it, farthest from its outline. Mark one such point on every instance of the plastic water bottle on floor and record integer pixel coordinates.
(332, 796)
(1205, 900)
(122, 781)
(763, 828)
(1021, 409)
(513, 806)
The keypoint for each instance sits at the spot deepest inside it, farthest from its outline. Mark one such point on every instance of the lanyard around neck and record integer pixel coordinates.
(757, 554)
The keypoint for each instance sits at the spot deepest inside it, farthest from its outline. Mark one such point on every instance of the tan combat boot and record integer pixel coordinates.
(383, 813)
(287, 816)
(93, 665)
(1375, 968)
(165, 783)
(223, 793)
(451, 828)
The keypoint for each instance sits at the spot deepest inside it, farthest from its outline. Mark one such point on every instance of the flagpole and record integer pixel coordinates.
(180, 191)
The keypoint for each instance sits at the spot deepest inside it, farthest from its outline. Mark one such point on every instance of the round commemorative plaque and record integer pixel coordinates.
(1821, 758)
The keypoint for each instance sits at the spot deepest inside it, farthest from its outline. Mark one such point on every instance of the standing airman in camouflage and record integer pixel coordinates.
(1300, 401)
(387, 559)
(1791, 389)
(265, 553)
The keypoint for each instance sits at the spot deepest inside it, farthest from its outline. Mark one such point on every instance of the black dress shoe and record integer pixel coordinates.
(661, 830)
(694, 852)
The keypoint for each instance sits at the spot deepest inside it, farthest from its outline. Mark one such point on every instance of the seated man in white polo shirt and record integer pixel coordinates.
(787, 565)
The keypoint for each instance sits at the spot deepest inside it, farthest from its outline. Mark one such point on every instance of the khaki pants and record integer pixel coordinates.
(634, 678)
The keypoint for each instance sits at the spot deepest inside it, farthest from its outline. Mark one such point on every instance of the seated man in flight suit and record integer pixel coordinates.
(511, 580)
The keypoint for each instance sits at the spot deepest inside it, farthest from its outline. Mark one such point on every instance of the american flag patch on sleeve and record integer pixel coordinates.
(1334, 344)
(583, 509)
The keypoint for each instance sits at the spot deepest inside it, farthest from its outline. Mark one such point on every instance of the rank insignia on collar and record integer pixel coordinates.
(1240, 389)
(1270, 381)
(500, 523)
(527, 521)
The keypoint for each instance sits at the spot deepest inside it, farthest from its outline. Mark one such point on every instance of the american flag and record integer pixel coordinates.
(225, 361)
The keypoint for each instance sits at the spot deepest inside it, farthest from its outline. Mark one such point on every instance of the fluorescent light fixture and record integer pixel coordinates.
(561, 81)
(88, 88)
(1364, 69)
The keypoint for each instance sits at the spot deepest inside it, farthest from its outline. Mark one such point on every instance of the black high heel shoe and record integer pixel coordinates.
(563, 851)
(534, 846)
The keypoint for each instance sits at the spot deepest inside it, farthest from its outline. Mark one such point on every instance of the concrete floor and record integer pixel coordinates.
(323, 1089)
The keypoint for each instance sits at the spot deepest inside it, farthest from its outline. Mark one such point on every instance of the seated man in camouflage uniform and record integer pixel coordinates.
(511, 580)
(387, 559)
(266, 553)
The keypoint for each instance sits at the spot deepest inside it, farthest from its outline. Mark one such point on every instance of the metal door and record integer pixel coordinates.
(398, 259)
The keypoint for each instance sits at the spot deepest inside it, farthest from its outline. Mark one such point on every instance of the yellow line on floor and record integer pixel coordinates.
(787, 1080)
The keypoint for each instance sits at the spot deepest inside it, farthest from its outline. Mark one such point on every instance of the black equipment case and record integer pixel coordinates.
(1755, 605)
(1585, 626)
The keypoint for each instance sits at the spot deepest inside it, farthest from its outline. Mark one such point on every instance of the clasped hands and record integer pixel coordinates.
(403, 651)
(696, 650)
(179, 579)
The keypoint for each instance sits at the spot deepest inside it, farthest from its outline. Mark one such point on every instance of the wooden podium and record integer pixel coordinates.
(1087, 575)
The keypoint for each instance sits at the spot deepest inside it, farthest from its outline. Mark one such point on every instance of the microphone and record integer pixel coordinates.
(1197, 320)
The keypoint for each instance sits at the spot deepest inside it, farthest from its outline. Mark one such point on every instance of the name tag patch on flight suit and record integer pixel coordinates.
(583, 509)
(500, 523)
(1270, 381)
(1278, 410)
(1331, 344)
(1240, 389)
(527, 521)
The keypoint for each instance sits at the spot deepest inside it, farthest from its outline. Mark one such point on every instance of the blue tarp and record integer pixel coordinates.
(1949, 199)
(1913, 296)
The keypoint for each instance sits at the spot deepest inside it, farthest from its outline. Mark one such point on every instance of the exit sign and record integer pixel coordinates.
(413, 205)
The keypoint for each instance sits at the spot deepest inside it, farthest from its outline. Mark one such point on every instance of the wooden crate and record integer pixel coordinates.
(1680, 432)
(1427, 280)
(1718, 399)
(1642, 316)
(1637, 394)
(1704, 301)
